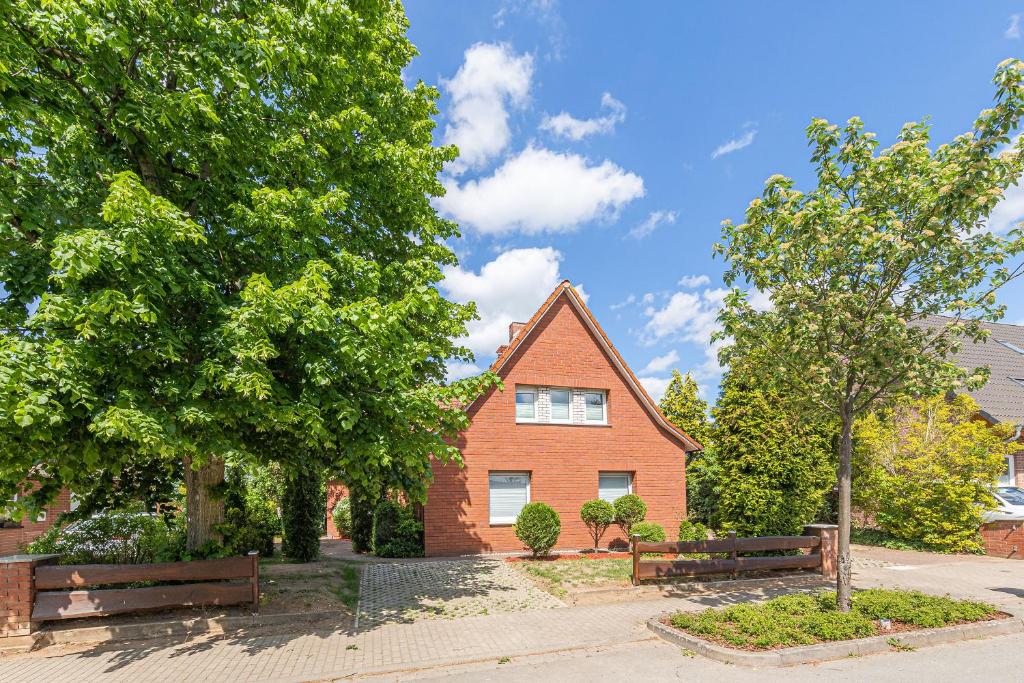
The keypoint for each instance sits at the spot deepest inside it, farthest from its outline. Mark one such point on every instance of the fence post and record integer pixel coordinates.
(254, 580)
(634, 541)
(829, 547)
(733, 554)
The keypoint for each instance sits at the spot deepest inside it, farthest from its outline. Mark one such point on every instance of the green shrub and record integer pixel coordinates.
(343, 517)
(303, 512)
(598, 515)
(362, 504)
(692, 531)
(115, 537)
(538, 527)
(629, 510)
(649, 532)
(396, 533)
(805, 619)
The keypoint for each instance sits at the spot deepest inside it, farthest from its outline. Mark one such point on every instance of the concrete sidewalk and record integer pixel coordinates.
(391, 647)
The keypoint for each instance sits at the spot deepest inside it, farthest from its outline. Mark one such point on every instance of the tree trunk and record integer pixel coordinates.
(843, 587)
(204, 505)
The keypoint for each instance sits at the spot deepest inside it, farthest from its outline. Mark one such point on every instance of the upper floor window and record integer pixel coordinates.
(526, 405)
(595, 406)
(561, 405)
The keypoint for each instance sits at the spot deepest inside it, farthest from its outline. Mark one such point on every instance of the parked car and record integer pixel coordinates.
(1010, 501)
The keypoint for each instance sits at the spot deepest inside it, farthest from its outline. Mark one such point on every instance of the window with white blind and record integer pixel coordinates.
(561, 405)
(526, 405)
(613, 485)
(596, 407)
(509, 492)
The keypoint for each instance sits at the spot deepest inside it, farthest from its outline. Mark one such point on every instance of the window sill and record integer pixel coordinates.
(563, 424)
(500, 524)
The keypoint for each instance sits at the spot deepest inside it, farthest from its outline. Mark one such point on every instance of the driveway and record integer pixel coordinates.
(992, 579)
(405, 592)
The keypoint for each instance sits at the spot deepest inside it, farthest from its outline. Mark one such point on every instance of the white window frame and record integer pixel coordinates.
(551, 407)
(536, 394)
(1011, 463)
(41, 517)
(604, 407)
(614, 473)
(505, 521)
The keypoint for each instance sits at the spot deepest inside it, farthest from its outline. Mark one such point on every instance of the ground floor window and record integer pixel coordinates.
(613, 485)
(509, 492)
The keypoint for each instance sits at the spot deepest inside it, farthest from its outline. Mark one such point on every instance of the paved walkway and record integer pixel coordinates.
(404, 593)
(391, 647)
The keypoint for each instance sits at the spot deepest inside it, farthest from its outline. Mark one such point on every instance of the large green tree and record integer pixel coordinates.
(884, 238)
(774, 464)
(684, 407)
(218, 243)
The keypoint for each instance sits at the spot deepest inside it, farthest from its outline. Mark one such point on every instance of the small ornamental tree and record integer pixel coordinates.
(629, 509)
(852, 266)
(538, 527)
(684, 408)
(776, 465)
(926, 468)
(598, 515)
(303, 511)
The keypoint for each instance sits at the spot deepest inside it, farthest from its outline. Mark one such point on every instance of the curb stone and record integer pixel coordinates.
(820, 652)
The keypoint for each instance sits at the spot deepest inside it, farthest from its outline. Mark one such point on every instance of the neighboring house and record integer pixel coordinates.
(16, 535)
(1001, 399)
(572, 424)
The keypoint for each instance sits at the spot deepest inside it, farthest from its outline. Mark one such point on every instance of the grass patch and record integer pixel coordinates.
(567, 574)
(794, 620)
(883, 539)
(347, 586)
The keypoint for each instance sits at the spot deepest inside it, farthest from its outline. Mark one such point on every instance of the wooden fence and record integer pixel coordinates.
(221, 585)
(820, 541)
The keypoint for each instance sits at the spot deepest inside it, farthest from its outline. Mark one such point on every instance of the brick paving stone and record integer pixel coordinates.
(402, 592)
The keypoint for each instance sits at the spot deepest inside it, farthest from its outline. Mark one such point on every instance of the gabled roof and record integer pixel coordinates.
(566, 289)
(1001, 399)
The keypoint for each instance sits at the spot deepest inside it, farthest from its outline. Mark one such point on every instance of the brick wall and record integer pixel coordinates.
(1004, 539)
(563, 459)
(335, 492)
(17, 593)
(13, 540)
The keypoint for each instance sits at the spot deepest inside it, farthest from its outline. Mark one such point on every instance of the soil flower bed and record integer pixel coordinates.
(795, 620)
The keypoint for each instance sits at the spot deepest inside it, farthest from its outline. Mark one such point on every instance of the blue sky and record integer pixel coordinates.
(604, 142)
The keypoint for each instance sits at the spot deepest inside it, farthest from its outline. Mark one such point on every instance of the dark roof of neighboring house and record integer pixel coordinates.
(565, 288)
(1002, 397)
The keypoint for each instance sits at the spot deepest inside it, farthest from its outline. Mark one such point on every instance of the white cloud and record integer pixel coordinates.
(508, 289)
(541, 191)
(566, 125)
(694, 281)
(544, 12)
(582, 292)
(628, 301)
(735, 144)
(655, 386)
(648, 298)
(1009, 211)
(461, 370)
(651, 223)
(491, 76)
(1013, 30)
(661, 363)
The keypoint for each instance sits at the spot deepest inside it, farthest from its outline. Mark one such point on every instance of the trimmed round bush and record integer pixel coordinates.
(598, 515)
(396, 533)
(629, 510)
(538, 527)
(649, 532)
(692, 531)
(343, 517)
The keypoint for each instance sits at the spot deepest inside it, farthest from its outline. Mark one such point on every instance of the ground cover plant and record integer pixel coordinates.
(884, 539)
(803, 619)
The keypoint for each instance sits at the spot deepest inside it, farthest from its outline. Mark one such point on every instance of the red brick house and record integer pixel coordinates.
(572, 424)
(16, 535)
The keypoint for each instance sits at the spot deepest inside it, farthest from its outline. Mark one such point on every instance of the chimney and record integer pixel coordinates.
(501, 349)
(513, 330)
